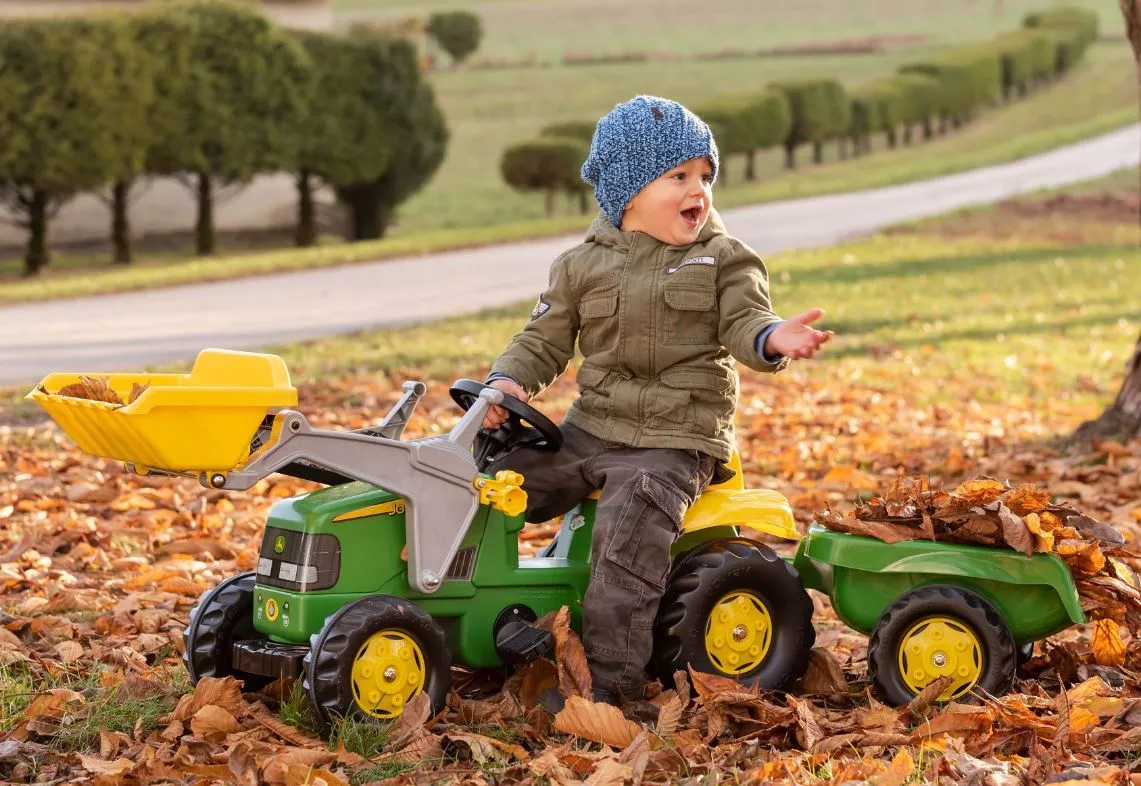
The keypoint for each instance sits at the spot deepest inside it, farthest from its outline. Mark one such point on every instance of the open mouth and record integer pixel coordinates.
(691, 216)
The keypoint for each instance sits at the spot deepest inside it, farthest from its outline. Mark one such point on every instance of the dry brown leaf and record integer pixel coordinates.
(979, 492)
(921, 705)
(486, 749)
(574, 673)
(91, 388)
(708, 685)
(1108, 647)
(1025, 500)
(898, 772)
(225, 692)
(824, 674)
(213, 723)
(99, 767)
(597, 722)
(809, 729)
(609, 772)
(669, 716)
(136, 391)
(1015, 532)
(290, 734)
(956, 720)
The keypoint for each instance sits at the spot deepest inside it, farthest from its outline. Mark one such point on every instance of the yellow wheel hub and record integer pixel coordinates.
(389, 669)
(738, 633)
(940, 646)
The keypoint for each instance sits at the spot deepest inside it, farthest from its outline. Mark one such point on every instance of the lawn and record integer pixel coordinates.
(544, 30)
(478, 209)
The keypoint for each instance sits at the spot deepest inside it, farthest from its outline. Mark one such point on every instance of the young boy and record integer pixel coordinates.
(661, 300)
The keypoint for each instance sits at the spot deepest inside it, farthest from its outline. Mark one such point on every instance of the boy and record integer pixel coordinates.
(660, 300)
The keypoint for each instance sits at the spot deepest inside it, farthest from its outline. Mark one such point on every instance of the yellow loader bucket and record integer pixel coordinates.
(197, 422)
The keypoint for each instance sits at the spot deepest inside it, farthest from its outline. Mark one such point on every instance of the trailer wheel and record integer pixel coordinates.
(372, 657)
(224, 615)
(733, 607)
(937, 631)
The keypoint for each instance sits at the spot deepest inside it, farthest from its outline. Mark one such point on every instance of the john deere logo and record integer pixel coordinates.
(279, 544)
(271, 610)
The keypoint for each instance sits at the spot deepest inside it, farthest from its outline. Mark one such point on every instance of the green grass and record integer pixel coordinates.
(490, 110)
(545, 29)
(1096, 98)
(1028, 320)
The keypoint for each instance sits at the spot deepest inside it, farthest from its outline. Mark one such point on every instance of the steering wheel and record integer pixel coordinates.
(525, 427)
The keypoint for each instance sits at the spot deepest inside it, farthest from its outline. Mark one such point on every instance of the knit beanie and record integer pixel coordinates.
(638, 142)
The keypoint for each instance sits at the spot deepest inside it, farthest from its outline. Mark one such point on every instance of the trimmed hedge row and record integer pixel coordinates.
(214, 93)
(945, 89)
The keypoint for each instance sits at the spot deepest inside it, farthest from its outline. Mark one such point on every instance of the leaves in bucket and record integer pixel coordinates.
(93, 388)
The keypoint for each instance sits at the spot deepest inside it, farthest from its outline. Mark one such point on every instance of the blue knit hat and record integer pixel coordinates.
(638, 142)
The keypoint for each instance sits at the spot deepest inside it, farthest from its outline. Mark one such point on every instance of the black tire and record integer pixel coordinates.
(1025, 653)
(998, 655)
(328, 668)
(708, 575)
(224, 614)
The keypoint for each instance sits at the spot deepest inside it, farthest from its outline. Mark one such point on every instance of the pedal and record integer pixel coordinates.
(521, 642)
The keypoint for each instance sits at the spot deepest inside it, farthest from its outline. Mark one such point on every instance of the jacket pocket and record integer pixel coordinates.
(598, 323)
(691, 314)
(649, 522)
(593, 396)
(712, 397)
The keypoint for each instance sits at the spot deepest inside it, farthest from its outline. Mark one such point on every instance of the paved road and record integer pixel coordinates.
(130, 331)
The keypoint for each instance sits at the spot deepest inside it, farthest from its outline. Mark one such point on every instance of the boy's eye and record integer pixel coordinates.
(707, 179)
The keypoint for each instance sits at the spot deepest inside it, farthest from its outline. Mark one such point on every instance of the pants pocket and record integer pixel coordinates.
(646, 528)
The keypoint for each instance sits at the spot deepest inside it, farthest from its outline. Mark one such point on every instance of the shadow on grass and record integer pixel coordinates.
(984, 333)
(836, 272)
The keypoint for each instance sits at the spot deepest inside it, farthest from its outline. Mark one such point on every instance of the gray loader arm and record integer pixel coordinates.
(436, 476)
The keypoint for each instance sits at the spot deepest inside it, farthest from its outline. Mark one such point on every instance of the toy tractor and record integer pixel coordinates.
(407, 562)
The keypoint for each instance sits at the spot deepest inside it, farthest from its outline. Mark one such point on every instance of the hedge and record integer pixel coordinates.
(549, 164)
(457, 32)
(969, 79)
(820, 112)
(876, 107)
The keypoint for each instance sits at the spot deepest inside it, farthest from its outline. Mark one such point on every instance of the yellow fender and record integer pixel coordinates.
(760, 509)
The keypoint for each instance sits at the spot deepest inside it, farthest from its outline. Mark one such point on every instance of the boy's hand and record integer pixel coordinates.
(496, 415)
(795, 339)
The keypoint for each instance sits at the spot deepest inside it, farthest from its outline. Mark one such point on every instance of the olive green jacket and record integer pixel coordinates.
(658, 327)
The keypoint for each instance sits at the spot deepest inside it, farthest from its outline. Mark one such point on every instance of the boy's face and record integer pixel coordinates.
(674, 207)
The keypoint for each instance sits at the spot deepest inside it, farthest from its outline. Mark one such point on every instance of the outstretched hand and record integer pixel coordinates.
(795, 339)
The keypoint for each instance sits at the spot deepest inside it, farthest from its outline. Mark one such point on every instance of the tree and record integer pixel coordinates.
(240, 108)
(549, 164)
(457, 32)
(1122, 419)
(346, 137)
(61, 95)
(419, 136)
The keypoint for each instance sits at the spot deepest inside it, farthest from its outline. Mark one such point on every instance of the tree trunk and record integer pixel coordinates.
(907, 134)
(751, 166)
(892, 140)
(364, 207)
(120, 223)
(789, 156)
(1122, 420)
(306, 214)
(38, 255)
(817, 152)
(204, 230)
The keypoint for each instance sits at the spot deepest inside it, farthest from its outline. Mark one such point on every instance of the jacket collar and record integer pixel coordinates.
(603, 232)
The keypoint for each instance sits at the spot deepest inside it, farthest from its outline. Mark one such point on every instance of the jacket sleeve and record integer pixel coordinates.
(743, 298)
(543, 348)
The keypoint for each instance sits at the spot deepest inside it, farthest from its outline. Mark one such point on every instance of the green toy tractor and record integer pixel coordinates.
(407, 562)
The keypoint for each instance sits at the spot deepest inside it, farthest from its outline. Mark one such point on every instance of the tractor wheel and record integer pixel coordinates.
(1025, 653)
(939, 630)
(224, 614)
(372, 657)
(733, 607)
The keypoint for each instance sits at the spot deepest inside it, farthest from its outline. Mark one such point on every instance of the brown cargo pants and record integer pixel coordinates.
(645, 493)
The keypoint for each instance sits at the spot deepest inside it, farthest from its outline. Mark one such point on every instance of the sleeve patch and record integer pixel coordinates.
(541, 307)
